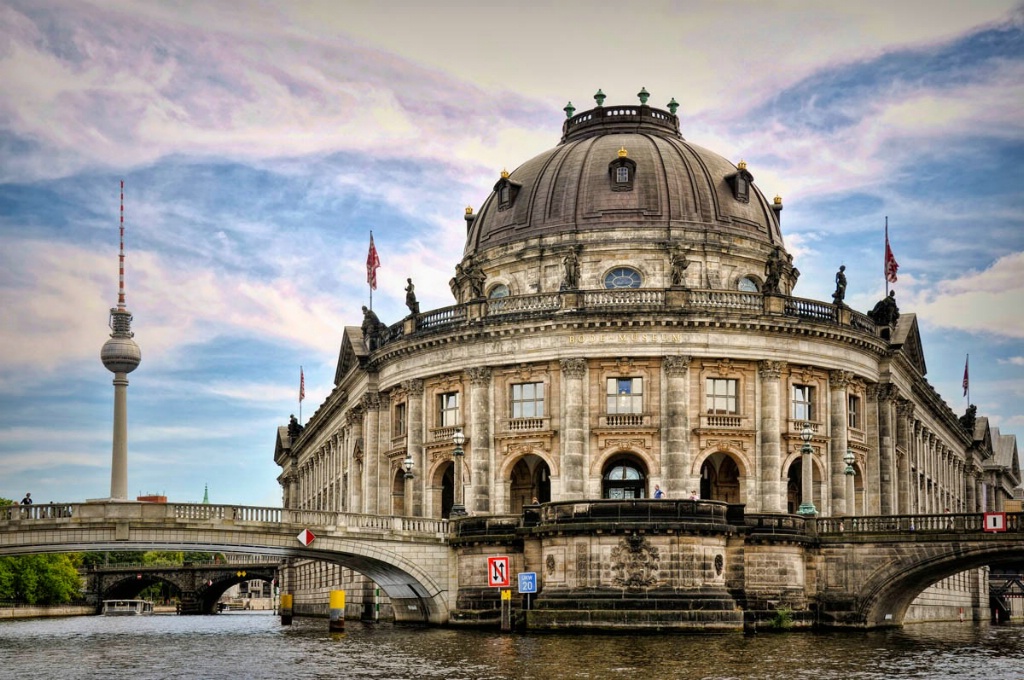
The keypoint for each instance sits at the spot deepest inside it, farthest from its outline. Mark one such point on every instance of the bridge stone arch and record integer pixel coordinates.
(199, 588)
(881, 581)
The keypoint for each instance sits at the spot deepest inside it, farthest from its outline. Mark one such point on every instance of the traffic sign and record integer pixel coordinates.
(498, 573)
(527, 582)
(306, 537)
(995, 521)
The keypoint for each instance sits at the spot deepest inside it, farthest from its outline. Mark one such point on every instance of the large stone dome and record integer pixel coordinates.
(623, 177)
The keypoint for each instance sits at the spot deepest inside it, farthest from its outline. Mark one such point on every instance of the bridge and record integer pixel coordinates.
(407, 557)
(200, 584)
(855, 572)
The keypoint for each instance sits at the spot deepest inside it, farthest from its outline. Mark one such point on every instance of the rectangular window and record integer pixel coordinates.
(625, 395)
(720, 396)
(622, 175)
(803, 403)
(448, 409)
(528, 400)
(399, 428)
(853, 412)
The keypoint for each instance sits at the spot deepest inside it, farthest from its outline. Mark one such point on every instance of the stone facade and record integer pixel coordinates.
(621, 325)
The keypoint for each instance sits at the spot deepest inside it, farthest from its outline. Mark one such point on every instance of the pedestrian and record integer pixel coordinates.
(27, 500)
(693, 495)
(658, 493)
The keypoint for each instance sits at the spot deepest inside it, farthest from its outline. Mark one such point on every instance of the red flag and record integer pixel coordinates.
(967, 381)
(302, 384)
(372, 264)
(890, 261)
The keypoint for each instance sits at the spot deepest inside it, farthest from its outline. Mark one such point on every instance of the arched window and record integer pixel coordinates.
(623, 277)
(747, 285)
(498, 291)
(623, 480)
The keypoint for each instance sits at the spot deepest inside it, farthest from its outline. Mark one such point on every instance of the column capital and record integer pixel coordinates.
(676, 364)
(371, 401)
(355, 415)
(905, 408)
(479, 376)
(413, 387)
(839, 379)
(574, 368)
(770, 369)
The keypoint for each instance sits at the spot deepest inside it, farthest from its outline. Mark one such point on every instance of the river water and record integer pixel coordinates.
(256, 645)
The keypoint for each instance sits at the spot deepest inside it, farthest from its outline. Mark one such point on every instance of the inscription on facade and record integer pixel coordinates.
(624, 337)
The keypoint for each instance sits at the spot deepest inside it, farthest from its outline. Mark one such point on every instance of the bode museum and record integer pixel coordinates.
(625, 386)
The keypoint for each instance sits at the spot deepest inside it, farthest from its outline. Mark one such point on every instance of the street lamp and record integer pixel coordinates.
(407, 464)
(458, 508)
(851, 491)
(807, 506)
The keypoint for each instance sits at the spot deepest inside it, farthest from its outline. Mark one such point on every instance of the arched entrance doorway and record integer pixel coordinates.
(794, 487)
(531, 478)
(720, 478)
(624, 478)
(444, 501)
(398, 493)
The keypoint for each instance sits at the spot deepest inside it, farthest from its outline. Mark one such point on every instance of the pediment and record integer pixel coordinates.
(907, 340)
(352, 353)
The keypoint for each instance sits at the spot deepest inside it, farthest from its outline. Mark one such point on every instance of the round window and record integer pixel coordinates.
(748, 285)
(499, 291)
(622, 277)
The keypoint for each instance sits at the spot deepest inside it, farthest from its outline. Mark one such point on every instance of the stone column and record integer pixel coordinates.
(383, 506)
(839, 439)
(905, 412)
(676, 469)
(872, 464)
(887, 394)
(352, 494)
(772, 498)
(371, 453)
(414, 413)
(479, 497)
(573, 444)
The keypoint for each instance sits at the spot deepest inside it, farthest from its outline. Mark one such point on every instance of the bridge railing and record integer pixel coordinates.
(958, 522)
(203, 512)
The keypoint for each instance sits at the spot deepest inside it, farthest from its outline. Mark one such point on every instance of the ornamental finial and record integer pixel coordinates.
(643, 94)
(742, 165)
(504, 173)
(569, 110)
(623, 153)
(599, 97)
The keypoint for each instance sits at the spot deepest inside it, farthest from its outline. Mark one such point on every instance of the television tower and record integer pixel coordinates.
(121, 356)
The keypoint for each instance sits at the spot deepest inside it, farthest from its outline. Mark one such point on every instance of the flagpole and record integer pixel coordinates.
(302, 391)
(885, 262)
(967, 379)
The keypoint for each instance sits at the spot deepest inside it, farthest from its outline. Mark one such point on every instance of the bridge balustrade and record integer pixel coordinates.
(945, 522)
(639, 510)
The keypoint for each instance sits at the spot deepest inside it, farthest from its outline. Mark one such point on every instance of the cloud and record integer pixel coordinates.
(985, 302)
(1013, 361)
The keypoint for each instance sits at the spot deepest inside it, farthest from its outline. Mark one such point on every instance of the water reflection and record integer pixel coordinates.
(241, 645)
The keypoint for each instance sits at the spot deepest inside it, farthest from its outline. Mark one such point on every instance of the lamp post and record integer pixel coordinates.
(407, 501)
(458, 508)
(851, 491)
(807, 470)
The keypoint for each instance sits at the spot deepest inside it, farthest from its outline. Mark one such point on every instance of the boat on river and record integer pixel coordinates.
(126, 607)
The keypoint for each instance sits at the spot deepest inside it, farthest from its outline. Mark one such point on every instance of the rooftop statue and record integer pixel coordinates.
(410, 298)
(840, 293)
(886, 313)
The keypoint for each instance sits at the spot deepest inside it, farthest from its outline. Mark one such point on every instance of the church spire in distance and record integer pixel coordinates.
(121, 356)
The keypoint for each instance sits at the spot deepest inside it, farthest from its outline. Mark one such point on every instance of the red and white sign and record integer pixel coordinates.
(995, 521)
(498, 573)
(306, 537)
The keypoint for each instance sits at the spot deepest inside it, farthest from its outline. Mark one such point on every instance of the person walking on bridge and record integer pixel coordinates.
(27, 500)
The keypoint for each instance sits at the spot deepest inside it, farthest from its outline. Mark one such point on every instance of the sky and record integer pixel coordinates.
(261, 142)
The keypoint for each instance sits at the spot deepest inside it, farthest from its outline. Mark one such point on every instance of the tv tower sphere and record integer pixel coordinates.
(120, 354)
